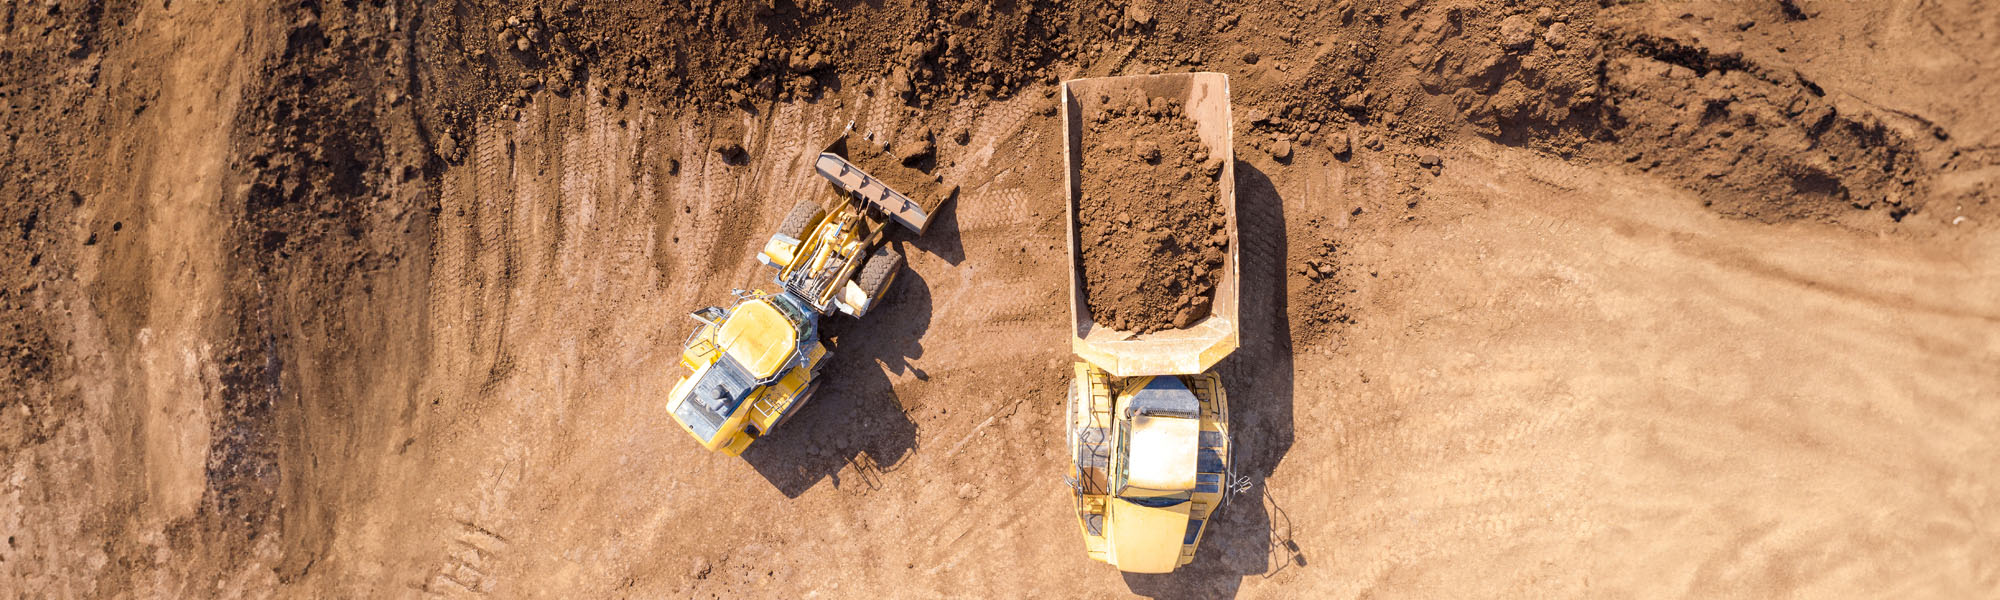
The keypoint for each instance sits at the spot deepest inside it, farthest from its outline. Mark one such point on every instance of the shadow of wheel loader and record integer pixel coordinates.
(854, 428)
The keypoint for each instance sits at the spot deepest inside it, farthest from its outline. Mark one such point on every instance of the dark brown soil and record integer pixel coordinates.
(1325, 279)
(1151, 229)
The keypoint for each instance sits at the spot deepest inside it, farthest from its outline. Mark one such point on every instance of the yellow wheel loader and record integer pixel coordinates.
(752, 366)
(1148, 422)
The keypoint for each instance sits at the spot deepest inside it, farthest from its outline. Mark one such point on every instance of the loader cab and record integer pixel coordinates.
(711, 398)
(733, 354)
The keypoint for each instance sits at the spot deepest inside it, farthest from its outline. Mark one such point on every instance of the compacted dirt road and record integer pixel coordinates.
(1550, 299)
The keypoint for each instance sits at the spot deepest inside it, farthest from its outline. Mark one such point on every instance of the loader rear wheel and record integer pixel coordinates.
(797, 403)
(802, 216)
(881, 268)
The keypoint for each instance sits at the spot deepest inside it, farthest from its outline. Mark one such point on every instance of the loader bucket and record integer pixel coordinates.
(1205, 99)
(906, 195)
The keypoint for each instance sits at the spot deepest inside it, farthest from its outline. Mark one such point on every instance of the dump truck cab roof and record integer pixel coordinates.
(1165, 432)
(1162, 456)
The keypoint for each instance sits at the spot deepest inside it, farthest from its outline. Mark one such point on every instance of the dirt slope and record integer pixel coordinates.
(1541, 299)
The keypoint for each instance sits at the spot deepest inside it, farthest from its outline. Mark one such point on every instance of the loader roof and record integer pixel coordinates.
(759, 337)
(709, 396)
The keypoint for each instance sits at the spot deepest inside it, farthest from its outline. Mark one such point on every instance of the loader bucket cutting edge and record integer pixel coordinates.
(854, 180)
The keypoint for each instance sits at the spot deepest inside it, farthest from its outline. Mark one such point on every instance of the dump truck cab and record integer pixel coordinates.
(750, 368)
(1148, 418)
(1151, 464)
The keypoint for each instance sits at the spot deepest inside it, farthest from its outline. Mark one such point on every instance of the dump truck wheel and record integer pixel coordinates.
(880, 269)
(802, 216)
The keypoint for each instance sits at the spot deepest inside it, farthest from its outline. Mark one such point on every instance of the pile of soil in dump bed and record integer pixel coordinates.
(1151, 230)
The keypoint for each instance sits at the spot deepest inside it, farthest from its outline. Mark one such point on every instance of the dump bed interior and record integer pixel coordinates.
(1204, 98)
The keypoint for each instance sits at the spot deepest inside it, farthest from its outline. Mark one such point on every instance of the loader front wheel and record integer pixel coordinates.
(878, 272)
(802, 216)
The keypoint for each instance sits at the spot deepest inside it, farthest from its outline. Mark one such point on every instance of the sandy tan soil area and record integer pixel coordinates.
(1540, 299)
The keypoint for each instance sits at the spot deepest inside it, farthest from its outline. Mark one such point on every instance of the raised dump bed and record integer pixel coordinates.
(1159, 265)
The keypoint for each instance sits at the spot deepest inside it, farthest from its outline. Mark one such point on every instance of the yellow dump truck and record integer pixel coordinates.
(751, 367)
(1148, 423)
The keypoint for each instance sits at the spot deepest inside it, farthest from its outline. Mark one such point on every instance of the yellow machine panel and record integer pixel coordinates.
(759, 337)
(1146, 484)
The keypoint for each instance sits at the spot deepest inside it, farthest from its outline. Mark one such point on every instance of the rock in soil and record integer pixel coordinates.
(1516, 33)
(1340, 143)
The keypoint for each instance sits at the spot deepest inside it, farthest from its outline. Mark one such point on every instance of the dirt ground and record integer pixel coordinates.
(1541, 298)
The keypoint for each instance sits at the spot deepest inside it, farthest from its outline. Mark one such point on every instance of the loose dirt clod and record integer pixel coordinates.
(1340, 143)
(1151, 228)
(1516, 33)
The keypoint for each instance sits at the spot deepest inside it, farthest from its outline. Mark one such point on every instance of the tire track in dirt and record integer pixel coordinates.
(561, 259)
(452, 255)
(474, 549)
(533, 240)
(1006, 294)
(1565, 364)
(710, 230)
(494, 252)
(537, 142)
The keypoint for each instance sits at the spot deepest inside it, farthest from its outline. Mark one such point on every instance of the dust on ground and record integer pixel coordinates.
(1539, 299)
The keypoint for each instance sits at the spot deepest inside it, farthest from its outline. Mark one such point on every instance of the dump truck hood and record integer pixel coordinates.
(1145, 539)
